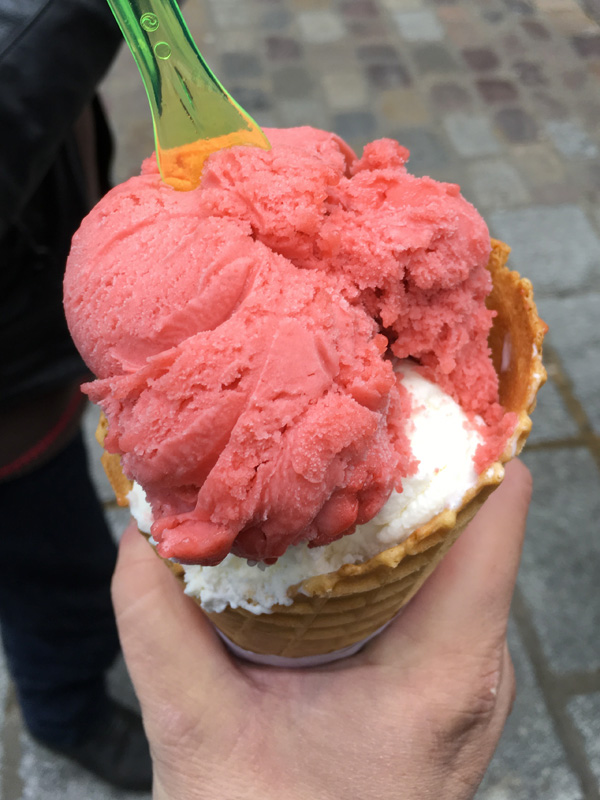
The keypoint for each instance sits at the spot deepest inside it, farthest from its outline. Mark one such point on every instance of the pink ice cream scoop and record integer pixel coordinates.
(243, 337)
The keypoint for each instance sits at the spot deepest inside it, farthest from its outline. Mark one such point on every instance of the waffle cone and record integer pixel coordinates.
(341, 609)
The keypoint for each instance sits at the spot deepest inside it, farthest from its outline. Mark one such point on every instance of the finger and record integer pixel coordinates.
(493, 710)
(464, 604)
(169, 645)
(479, 719)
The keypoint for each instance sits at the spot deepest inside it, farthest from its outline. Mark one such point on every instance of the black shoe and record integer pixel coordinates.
(117, 751)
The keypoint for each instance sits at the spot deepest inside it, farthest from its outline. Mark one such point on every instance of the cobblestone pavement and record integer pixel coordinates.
(503, 97)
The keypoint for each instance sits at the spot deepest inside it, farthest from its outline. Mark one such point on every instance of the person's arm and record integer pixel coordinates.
(416, 714)
(53, 54)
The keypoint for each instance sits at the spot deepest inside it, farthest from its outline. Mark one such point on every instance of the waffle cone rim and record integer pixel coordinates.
(342, 580)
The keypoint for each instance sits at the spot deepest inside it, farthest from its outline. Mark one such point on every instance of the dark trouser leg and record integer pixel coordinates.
(58, 628)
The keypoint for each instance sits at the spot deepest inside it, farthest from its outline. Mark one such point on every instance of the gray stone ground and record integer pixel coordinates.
(503, 97)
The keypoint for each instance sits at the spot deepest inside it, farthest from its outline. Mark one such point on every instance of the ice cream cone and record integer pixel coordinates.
(336, 613)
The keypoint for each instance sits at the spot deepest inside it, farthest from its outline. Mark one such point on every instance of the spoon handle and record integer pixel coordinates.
(187, 102)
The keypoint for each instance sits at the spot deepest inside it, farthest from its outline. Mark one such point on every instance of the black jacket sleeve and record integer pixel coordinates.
(53, 54)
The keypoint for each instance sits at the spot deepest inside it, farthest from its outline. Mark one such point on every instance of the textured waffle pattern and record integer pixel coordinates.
(351, 612)
(318, 625)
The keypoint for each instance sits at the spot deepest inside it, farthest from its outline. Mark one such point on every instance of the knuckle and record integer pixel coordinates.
(472, 696)
(465, 724)
(477, 704)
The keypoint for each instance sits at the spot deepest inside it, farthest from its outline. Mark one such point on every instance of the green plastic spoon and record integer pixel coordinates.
(192, 114)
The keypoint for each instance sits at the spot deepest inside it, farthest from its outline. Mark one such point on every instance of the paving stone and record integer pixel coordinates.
(378, 54)
(523, 7)
(304, 111)
(575, 79)
(594, 68)
(546, 106)
(587, 45)
(48, 777)
(331, 56)
(130, 121)
(529, 761)
(585, 711)
(428, 155)
(556, 247)
(359, 8)
(481, 59)
(516, 125)
(403, 106)
(434, 58)
(512, 45)
(551, 420)
(571, 139)
(491, 5)
(592, 8)
(117, 519)
(119, 684)
(419, 26)
(291, 82)
(450, 96)
(229, 14)
(4, 686)
(535, 30)
(241, 65)
(538, 163)
(320, 27)
(496, 184)
(282, 48)
(367, 29)
(234, 40)
(590, 112)
(593, 173)
(303, 5)
(553, 194)
(456, 14)
(355, 125)
(530, 73)
(561, 557)
(403, 5)
(387, 76)
(585, 175)
(497, 90)
(554, 6)
(276, 19)
(471, 135)
(250, 98)
(268, 119)
(575, 333)
(596, 214)
(198, 19)
(345, 90)
(578, 21)
(461, 35)
(573, 21)
(493, 15)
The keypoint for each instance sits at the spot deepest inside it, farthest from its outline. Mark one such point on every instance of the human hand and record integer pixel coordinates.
(415, 715)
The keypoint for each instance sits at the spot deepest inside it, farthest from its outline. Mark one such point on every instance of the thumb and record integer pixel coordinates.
(464, 604)
(171, 649)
